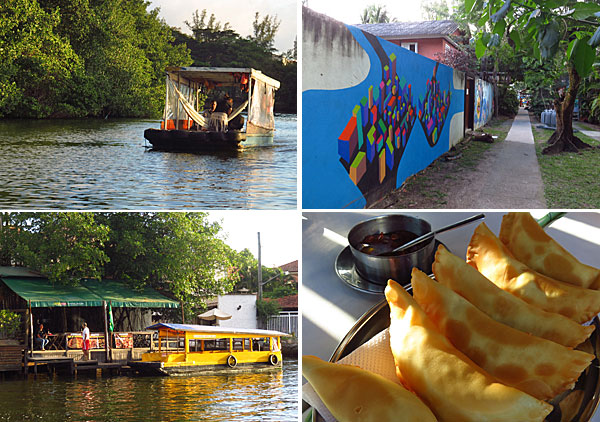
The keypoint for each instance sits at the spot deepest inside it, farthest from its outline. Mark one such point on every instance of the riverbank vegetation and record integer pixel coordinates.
(182, 255)
(81, 58)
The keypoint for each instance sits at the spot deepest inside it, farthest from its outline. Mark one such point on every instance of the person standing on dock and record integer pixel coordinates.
(85, 333)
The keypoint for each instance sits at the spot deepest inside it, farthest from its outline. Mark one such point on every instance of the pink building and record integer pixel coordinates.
(425, 38)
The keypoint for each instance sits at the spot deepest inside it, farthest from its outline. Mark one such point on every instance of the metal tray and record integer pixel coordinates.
(578, 404)
(346, 271)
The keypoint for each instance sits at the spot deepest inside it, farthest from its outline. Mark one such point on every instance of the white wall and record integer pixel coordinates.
(244, 317)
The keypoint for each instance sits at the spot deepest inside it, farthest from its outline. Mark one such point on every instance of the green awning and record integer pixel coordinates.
(43, 294)
(122, 295)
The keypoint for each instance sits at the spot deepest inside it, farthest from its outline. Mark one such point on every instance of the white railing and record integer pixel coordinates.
(286, 322)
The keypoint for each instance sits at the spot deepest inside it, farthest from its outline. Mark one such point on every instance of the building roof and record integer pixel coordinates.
(286, 303)
(427, 29)
(291, 267)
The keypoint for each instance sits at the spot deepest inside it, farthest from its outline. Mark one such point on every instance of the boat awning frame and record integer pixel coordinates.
(223, 76)
(211, 329)
(42, 294)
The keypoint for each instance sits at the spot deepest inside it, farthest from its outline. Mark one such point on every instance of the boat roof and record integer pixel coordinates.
(220, 75)
(215, 330)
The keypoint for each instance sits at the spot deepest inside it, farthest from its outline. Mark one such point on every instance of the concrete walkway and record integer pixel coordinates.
(509, 177)
(591, 133)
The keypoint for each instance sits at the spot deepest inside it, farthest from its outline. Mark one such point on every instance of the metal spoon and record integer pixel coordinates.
(430, 235)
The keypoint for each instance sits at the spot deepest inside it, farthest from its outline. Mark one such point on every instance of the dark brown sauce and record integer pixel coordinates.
(385, 243)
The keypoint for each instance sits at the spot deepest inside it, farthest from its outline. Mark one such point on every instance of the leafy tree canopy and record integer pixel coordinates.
(434, 10)
(375, 14)
(75, 58)
(226, 48)
(543, 30)
(265, 30)
(179, 253)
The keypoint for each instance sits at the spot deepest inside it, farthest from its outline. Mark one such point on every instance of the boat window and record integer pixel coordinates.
(260, 344)
(195, 346)
(238, 344)
(221, 344)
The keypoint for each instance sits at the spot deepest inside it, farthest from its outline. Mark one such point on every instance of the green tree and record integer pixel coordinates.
(63, 58)
(375, 14)
(63, 246)
(541, 29)
(435, 10)
(179, 253)
(34, 61)
(229, 49)
(265, 30)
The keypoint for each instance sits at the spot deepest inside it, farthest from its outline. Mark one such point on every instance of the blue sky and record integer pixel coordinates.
(280, 236)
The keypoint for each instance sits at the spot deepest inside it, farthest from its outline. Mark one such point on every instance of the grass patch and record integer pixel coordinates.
(430, 187)
(570, 179)
(584, 126)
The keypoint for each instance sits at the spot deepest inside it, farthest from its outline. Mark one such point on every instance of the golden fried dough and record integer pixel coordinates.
(455, 273)
(531, 364)
(354, 395)
(530, 244)
(489, 255)
(453, 387)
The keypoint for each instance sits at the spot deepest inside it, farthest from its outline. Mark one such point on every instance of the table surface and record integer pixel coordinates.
(330, 307)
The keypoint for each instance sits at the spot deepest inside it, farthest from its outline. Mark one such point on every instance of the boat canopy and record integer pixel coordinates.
(215, 330)
(184, 84)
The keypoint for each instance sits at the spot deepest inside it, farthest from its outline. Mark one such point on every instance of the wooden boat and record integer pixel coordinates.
(199, 349)
(184, 129)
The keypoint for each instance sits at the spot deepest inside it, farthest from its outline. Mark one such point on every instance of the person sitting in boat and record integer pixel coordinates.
(237, 123)
(210, 109)
(219, 118)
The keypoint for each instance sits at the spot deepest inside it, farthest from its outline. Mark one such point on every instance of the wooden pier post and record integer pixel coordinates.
(107, 357)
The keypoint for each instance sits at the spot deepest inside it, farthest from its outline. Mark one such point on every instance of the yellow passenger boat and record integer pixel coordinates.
(193, 349)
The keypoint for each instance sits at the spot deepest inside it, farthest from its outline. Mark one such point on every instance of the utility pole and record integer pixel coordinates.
(259, 271)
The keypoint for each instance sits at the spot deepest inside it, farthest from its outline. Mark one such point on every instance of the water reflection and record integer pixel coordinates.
(103, 164)
(269, 397)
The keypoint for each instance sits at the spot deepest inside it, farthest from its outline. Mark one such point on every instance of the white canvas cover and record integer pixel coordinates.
(261, 109)
(186, 97)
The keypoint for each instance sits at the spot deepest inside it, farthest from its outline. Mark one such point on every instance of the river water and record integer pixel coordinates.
(104, 164)
(271, 397)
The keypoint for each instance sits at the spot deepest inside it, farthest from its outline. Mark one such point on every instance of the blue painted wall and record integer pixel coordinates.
(353, 148)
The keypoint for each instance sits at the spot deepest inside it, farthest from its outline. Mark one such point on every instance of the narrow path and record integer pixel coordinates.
(509, 177)
(591, 133)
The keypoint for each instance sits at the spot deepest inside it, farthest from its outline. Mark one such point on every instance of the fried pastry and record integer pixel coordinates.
(530, 244)
(455, 273)
(489, 255)
(450, 383)
(354, 395)
(537, 366)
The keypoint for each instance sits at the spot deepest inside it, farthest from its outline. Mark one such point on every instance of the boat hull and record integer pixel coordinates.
(158, 368)
(203, 141)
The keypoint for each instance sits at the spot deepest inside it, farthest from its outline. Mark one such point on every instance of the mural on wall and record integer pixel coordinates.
(361, 138)
(373, 141)
(372, 144)
(484, 103)
(434, 109)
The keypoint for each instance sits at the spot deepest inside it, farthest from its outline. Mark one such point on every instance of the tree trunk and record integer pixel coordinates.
(563, 140)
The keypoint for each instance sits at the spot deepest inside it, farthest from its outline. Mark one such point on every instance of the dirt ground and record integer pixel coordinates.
(446, 181)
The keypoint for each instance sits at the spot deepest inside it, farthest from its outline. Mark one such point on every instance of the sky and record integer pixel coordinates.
(239, 13)
(280, 236)
(349, 11)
